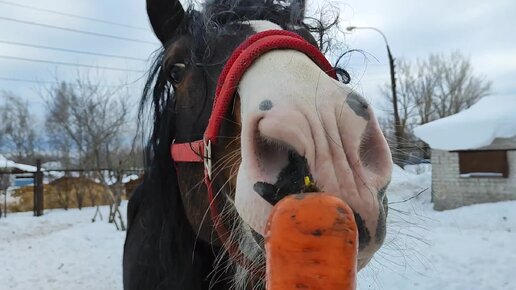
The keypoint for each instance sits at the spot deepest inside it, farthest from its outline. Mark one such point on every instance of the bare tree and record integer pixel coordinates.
(325, 27)
(434, 88)
(458, 88)
(63, 141)
(17, 128)
(87, 121)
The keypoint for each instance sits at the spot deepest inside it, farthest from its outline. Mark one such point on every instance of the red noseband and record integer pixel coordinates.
(200, 150)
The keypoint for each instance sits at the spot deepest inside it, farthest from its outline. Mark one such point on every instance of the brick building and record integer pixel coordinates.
(473, 154)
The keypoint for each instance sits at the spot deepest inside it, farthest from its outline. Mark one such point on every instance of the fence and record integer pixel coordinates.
(68, 188)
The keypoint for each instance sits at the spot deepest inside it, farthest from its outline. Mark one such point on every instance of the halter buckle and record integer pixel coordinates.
(207, 158)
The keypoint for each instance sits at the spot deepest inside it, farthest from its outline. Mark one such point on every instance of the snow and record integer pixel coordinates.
(52, 165)
(481, 174)
(128, 178)
(490, 118)
(467, 248)
(470, 248)
(9, 198)
(60, 250)
(418, 168)
(8, 164)
(111, 179)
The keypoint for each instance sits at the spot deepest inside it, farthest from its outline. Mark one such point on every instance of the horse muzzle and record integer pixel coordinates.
(305, 131)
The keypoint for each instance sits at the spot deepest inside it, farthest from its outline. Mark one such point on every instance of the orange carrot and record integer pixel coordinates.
(311, 243)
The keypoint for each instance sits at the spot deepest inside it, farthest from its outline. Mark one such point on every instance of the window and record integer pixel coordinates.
(483, 163)
(23, 180)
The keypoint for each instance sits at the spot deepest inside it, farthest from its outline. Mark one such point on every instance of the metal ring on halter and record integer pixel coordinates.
(207, 158)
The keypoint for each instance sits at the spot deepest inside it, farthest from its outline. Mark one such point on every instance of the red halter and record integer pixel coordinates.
(200, 150)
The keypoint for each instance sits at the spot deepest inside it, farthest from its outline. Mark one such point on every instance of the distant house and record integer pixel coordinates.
(473, 154)
(20, 174)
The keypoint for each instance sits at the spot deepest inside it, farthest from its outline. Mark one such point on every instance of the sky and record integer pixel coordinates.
(482, 30)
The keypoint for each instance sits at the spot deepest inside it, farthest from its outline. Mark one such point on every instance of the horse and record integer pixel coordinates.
(244, 109)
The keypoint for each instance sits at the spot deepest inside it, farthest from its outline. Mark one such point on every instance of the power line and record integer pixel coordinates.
(26, 81)
(68, 63)
(9, 79)
(76, 30)
(71, 50)
(74, 15)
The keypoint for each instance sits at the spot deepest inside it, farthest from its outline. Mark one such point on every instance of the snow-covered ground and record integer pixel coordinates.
(60, 250)
(471, 248)
(468, 248)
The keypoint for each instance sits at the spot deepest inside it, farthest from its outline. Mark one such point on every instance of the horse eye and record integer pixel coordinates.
(177, 72)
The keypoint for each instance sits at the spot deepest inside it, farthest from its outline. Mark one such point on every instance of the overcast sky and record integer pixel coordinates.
(482, 30)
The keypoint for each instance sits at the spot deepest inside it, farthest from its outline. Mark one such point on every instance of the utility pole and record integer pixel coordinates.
(398, 132)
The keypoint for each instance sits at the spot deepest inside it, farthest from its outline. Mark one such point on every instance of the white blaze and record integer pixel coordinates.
(263, 25)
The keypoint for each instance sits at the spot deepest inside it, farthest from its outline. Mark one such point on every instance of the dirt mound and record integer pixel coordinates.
(65, 192)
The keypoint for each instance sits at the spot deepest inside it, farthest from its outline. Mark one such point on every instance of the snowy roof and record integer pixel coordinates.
(6, 164)
(129, 178)
(488, 119)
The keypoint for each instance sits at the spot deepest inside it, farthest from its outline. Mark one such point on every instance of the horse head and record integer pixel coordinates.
(246, 111)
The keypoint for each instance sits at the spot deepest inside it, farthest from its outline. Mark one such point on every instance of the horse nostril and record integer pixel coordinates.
(374, 152)
(359, 105)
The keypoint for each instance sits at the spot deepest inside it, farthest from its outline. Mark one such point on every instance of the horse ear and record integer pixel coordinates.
(165, 16)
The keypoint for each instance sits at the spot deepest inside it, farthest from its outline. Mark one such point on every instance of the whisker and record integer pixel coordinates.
(410, 198)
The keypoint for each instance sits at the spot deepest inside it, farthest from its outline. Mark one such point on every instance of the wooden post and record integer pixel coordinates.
(4, 184)
(35, 196)
(38, 190)
(5, 203)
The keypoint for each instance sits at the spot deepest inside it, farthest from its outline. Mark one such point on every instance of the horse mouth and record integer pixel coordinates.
(282, 169)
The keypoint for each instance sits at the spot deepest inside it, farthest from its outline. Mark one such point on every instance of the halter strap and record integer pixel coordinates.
(200, 150)
(187, 152)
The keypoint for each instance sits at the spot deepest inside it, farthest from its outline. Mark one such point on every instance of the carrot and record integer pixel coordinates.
(311, 243)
